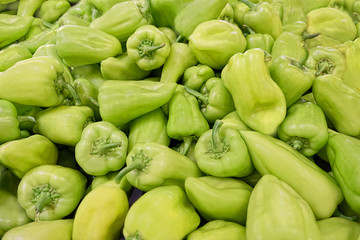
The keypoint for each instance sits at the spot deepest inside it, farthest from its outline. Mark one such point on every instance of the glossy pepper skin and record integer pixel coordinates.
(343, 153)
(293, 78)
(79, 14)
(51, 192)
(293, 11)
(277, 211)
(165, 211)
(79, 45)
(232, 120)
(90, 72)
(222, 152)
(258, 40)
(13, 27)
(131, 99)
(102, 148)
(28, 8)
(148, 47)
(56, 229)
(218, 230)
(22, 155)
(338, 228)
(39, 81)
(312, 183)
(13, 54)
(195, 76)
(258, 100)
(339, 102)
(63, 124)
(196, 12)
(101, 214)
(149, 127)
(50, 11)
(219, 198)
(351, 72)
(298, 128)
(204, 42)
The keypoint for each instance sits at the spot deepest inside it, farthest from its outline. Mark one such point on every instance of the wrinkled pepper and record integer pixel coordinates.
(13, 27)
(219, 198)
(258, 100)
(222, 152)
(51, 192)
(13, 54)
(338, 228)
(218, 230)
(160, 213)
(102, 148)
(195, 76)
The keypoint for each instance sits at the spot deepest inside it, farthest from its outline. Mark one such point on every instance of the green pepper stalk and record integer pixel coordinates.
(44, 196)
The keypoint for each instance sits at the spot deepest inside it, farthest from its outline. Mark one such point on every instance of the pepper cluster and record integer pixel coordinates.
(179, 119)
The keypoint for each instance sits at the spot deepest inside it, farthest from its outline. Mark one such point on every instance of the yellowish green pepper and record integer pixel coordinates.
(218, 229)
(338, 228)
(13, 27)
(13, 54)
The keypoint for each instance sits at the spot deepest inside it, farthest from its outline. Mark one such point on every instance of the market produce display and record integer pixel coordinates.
(180, 119)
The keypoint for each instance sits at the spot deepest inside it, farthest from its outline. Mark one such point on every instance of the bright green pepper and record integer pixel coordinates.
(196, 12)
(51, 10)
(195, 76)
(277, 211)
(219, 198)
(169, 33)
(79, 14)
(232, 120)
(149, 127)
(179, 59)
(227, 14)
(51, 192)
(79, 45)
(88, 94)
(297, 27)
(258, 40)
(351, 72)
(292, 77)
(263, 18)
(160, 213)
(337, 228)
(311, 4)
(91, 72)
(13, 27)
(101, 214)
(63, 124)
(304, 128)
(56, 230)
(122, 67)
(13, 54)
(100, 6)
(102, 148)
(343, 152)
(258, 100)
(148, 47)
(122, 101)
(218, 230)
(222, 152)
(293, 11)
(22, 155)
(150, 165)
(213, 42)
(340, 103)
(28, 7)
(39, 81)
(240, 9)
(123, 19)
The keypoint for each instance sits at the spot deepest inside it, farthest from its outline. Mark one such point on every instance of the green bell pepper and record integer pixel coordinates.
(100, 7)
(195, 76)
(343, 153)
(258, 40)
(340, 103)
(293, 78)
(13, 27)
(222, 152)
(149, 127)
(122, 67)
(338, 228)
(102, 148)
(258, 100)
(148, 47)
(22, 155)
(88, 94)
(293, 11)
(160, 213)
(56, 230)
(122, 101)
(311, 182)
(150, 165)
(215, 100)
(351, 72)
(169, 33)
(51, 10)
(311, 5)
(277, 211)
(79, 45)
(122, 19)
(28, 7)
(205, 43)
(51, 192)
(232, 120)
(179, 59)
(13, 54)
(298, 27)
(79, 14)
(219, 198)
(304, 128)
(263, 18)
(101, 214)
(63, 124)
(196, 12)
(227, 14)
(39, 81)
(240, 9)
(217, 230)
(91, 72)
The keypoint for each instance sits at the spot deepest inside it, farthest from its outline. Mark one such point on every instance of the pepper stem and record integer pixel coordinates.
(185, 146)
(297, 144)
(249, 29)
(71, 90)
(217, 143)
(251, 5)
(148, 50)
(94, 101)
(129, 168)
(43, 196)
(103, 146)
(198, 95)
(310, 36)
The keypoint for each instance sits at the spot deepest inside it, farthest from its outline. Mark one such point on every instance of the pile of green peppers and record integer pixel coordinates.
(180, 119)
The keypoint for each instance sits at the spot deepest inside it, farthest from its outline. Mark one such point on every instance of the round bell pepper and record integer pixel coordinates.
(258, 40)
(195, 76)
